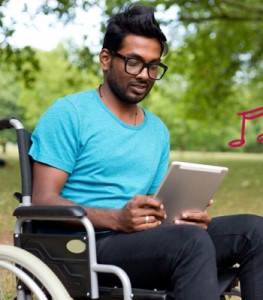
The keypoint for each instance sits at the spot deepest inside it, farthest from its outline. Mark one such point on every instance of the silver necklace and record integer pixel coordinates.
(135, 113)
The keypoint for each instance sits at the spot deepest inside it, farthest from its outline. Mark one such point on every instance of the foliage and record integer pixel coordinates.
(58, 76)
(23, 60)
(215, 67)
(9, 94)
(214, 22)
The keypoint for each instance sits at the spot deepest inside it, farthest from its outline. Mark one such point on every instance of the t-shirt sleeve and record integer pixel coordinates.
(163, 165)
(55, 138)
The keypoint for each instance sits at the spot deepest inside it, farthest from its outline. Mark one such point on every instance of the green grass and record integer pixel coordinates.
(240, 192)
(9, 183)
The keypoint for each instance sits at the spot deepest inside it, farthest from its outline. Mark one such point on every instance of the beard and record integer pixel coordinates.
(120, 92)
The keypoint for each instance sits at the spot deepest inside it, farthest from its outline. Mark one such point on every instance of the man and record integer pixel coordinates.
(101, 150)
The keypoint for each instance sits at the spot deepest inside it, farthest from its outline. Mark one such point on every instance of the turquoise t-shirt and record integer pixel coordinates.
(108, 161)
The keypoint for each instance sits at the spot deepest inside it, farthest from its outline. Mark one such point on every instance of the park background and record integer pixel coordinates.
(215, 70)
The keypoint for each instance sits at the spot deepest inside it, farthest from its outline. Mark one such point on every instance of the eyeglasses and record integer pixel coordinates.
(134, 66)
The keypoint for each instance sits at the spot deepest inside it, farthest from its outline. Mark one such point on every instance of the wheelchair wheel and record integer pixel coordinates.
(32, 273)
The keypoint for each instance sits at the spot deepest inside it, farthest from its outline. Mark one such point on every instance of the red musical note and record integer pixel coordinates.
(247, 115)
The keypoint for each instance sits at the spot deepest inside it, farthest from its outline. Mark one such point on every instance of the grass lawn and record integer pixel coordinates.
(9, 183)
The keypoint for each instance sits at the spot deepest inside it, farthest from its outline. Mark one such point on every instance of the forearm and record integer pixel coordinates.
(100, 218)
(104, 218)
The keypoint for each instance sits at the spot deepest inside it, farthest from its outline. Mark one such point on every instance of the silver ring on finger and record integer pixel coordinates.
(146, 219)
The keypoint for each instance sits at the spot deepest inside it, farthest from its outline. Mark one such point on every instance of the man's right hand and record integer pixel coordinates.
(140, 213)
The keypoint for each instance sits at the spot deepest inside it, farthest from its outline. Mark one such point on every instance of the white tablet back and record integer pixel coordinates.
(188, 186)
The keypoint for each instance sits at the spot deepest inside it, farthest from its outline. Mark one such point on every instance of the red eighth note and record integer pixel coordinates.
(247, 115)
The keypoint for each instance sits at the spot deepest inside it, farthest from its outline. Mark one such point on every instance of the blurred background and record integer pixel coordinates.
(49, 48)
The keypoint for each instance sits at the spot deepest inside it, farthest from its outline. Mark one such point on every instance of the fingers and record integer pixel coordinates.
(141, 213)
(147, 201)
(199, 218)
(210, 203)
(199, 224)
(141, 223)
(146, 205)
(149, 219)
(149, 222)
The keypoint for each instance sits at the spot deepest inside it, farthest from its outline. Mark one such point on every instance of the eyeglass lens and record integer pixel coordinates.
(135, 66)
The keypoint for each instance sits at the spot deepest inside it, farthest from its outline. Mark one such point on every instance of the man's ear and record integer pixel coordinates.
(105, 58)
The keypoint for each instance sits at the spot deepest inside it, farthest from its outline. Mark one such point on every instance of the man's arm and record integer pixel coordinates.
(49, 181)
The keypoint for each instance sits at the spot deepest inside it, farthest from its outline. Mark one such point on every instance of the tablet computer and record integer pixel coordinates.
(188, 186)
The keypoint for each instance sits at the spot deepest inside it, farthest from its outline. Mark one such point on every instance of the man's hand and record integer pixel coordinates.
(199, 218)
(141, 213)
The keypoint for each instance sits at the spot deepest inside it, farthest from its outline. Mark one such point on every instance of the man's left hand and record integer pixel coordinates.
(199, 218)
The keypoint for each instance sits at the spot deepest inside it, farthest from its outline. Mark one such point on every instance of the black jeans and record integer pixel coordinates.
(185, 258)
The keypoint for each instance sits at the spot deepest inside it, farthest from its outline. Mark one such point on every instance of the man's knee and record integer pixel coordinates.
(194, 241)
(247, 225)
(253, 228)
(197, 252)
(199, 241)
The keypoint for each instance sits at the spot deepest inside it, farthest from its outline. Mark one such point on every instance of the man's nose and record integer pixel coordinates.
(143, 73)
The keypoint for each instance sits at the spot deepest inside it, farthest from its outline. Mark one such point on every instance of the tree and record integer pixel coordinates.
(9, 94)
(215, 63)
(24, 59)
(204, 21)
(220, 38)
(58, 76)
(224, 50)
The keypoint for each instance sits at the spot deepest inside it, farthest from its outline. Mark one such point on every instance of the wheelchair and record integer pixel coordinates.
(64, 266)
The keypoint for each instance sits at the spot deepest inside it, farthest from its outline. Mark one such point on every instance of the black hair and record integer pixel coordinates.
(138, 20)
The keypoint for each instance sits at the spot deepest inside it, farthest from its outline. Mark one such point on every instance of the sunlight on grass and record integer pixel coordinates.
(9, 183)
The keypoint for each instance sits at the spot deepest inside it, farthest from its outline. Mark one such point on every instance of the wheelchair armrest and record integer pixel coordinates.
(73, 212)
(8, 123)
(5, 124)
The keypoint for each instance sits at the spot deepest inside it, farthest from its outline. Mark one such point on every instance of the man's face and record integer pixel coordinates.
(133, 88)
